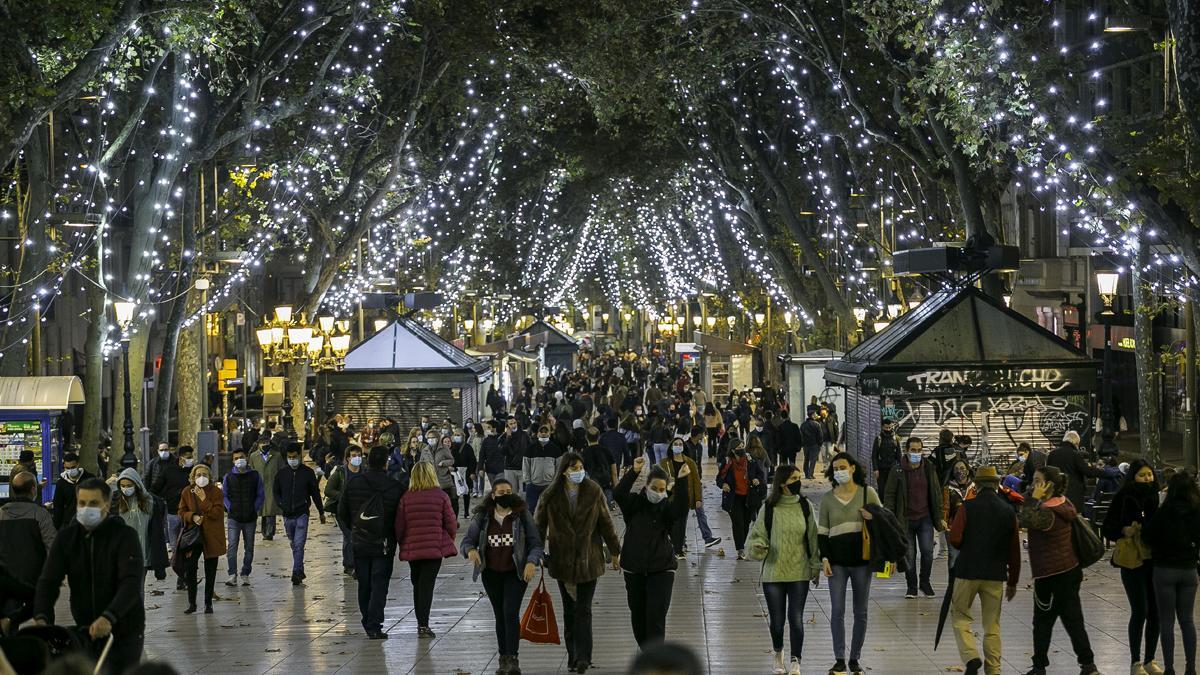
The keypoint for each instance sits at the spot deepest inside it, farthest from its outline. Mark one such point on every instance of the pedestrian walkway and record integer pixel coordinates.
(717, 609)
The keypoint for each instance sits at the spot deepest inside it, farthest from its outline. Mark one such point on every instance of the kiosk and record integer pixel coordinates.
(31, 418)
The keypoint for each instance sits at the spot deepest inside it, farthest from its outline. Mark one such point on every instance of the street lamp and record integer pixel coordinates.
(1106, 286)
(124, 310)
(759, 318)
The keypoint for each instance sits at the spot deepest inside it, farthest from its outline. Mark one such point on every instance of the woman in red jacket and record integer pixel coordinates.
(425, 529)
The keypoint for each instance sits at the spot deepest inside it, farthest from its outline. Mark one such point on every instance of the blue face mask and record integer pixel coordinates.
(914, 457)
(577, 477)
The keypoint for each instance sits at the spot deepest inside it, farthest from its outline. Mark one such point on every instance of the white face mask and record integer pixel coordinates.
(189, 463)
(89, 516)
(356, 461)
(128, 491)
(293, 463)
(201, 481)
(841, 476)
(73, 473)
(239, 463)
(163, 454)
(457, 439)
(655, 497)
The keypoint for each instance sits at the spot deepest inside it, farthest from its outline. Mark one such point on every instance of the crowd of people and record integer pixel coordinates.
(543, 483)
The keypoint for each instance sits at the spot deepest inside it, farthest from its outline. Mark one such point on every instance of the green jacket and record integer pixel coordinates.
(789, 552)
(336, 484)
(267, 468)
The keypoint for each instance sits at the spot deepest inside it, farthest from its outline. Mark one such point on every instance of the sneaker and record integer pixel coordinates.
(376, 635)
(910, 594)
(1137, 669)
(208, 609)
(795, 670)
(712, 542)
(245, 580)
(1152, 668)
(180, 585)
(1088, 669)
(231, 581)
(927, 590)
(779, 668)
(425, 632)
(839, 668)
(741, 554)
(855, 669)
(295, 579)
(582, 666)
(190, 610)
(973, 667)
(680, 556)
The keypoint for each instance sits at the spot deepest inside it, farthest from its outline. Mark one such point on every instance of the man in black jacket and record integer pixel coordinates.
(244, 497)
(989, 554)
(368, 507)
(1067, 458)
(812, 432)
(296, 486)
(516, 443)
(168, 485)
(885, 453)
(788, 440)
(101, 558)
(64, 490)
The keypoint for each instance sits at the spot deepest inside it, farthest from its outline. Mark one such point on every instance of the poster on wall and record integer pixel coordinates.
(17, 436)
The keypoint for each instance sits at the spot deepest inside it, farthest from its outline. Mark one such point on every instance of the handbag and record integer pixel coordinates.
(866, 531)
(538, 623)
(1130, 552)
(1087, 544)
(460, 483)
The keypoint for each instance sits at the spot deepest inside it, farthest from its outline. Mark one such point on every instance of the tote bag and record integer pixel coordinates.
(538, 623)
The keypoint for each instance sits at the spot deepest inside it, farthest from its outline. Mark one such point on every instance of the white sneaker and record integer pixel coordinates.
(232, 580)
(780, 668)
(1137, 669)
(795, 666)
(1152, 668)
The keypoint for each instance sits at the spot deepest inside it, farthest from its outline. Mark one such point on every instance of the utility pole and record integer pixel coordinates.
(1189, 376)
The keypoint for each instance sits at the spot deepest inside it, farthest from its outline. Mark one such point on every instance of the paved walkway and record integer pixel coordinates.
(717, 609)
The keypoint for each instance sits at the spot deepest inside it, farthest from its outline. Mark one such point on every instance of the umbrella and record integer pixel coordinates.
(945, 610)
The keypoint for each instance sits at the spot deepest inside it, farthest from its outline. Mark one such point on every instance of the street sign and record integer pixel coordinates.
(227, 374)
(686, 347)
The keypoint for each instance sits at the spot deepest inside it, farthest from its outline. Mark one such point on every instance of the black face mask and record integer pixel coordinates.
(508, 501)
(792, 488)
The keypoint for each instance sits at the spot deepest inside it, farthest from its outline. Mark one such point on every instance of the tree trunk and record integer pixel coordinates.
(1145, 358)
(33, 259)
(297, 383)
(188, 374)
(1184, 16)
(180, 310)
(93, 381)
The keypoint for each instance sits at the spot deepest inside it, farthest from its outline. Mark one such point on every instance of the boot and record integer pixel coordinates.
(514, 666)
(504, 667)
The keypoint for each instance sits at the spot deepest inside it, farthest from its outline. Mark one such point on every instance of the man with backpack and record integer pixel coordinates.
(368, 506)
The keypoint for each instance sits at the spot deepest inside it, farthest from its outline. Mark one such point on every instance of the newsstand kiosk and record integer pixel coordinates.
(31, 417)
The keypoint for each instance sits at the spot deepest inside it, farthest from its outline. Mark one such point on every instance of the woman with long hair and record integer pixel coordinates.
(842, 519)
(425, 529)
(712, 425)
(784, 537)
(202, 505)
(1174, 537)
(1132, 507)
(502, 541)
(741, 479)
(572, 518)
(1049, 516)
(147, 515)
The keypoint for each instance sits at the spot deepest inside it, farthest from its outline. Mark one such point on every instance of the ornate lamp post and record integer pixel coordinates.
(124, 311)
(1106, 285)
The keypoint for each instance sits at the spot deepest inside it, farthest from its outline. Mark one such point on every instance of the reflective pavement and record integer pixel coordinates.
(717, 609)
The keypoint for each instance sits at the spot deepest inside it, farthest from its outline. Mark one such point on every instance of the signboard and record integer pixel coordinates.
(227, 373)
(272, 392)
(686, 347)
(17, 436)
(1004, 379)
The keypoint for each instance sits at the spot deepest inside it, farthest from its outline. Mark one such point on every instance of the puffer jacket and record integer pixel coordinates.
(425, 525)
(1050, 546)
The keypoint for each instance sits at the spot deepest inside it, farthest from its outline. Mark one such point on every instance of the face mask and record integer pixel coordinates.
(424, 425)
(356, 461)
(201, 481)
(841, 476)
(914, 457)
(73, 473)
(293, 463)
(456, 439)
(577, 477)
(163, 454)
(189, 463)
(792, 488)
(677, 449)
(128, 491)
(508, 501)
(89, 516)
(543, 440)
(655, 497)
(239, 463)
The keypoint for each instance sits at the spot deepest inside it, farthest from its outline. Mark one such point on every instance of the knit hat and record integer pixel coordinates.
(987, 474)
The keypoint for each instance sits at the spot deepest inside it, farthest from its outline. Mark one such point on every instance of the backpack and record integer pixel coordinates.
(769, 518)
(1087, 544)
(369, 526)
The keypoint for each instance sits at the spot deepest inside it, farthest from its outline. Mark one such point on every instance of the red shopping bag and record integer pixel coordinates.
(538, 623)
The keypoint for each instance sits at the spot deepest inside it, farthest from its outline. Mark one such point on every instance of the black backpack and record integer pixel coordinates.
(369, 526)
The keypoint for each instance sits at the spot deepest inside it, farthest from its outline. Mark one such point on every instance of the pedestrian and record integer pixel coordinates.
(368, 505)
(1174, 537)
(475, 437)
(539, 466)
(600, 466)
(147, 515)
(742, 481)
(162, 457)
(515, 443)
(573, 520)
(1130, 511)
(169, 485)
(789, 440)
(944, 454)
(502, 541)
(784, 537)
(466, 462)
(244, 496)
(64, 489)
(914, 495)
(649, 566)
(841, 522)
(986, 535)
(425, 528)
(101, 559)
(21, 506)
(202, 505)
(1049, 516)
(295, 488)
(682, 474)
(334, 488)
(1068, 459)
(491, 453)
(832, 432)
(959, 486)
(266, 461)
(812, 433)
(885, 452)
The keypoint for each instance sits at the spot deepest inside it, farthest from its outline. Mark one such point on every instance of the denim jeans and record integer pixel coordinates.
(702, 522)
(859, 577)
(347, 544)
(297, 533)
(920, 535)
(811, 453)
(1175, 590)
(785, 602)
(660, 452)
(174, 525)
(374, 575)
(234, 530)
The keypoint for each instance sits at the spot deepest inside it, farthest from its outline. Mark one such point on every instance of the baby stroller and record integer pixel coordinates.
(34, 648)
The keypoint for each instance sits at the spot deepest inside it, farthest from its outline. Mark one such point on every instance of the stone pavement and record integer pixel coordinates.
(717, 609)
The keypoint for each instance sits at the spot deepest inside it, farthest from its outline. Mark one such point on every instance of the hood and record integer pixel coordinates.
(132, 475)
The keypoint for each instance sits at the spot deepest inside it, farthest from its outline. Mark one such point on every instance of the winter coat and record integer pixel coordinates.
(103, 568)
(647, 546)
(895, 496)
(1072, 463)
(889, 539)
(64, 499)
(515, 446)
(540, 464)
(425, 525)
(360, 488)
(527, 545)
(1049, 523)
(294, 488)
(443, 464)
(574, 534)
(1129, 507)
(212, 528)
(1174, 535)
(21, 509)
(754, 469)
(789, 551)
(695, 491)
(336, 485)
(170, 484)
(491, 455)
(154, 552)
(465, 458)
(812, 433)
(244, 495)
(267, 468)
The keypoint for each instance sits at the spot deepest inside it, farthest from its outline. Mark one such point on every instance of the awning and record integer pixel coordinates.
(40, 393)
(719, 346)
(525, 342)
